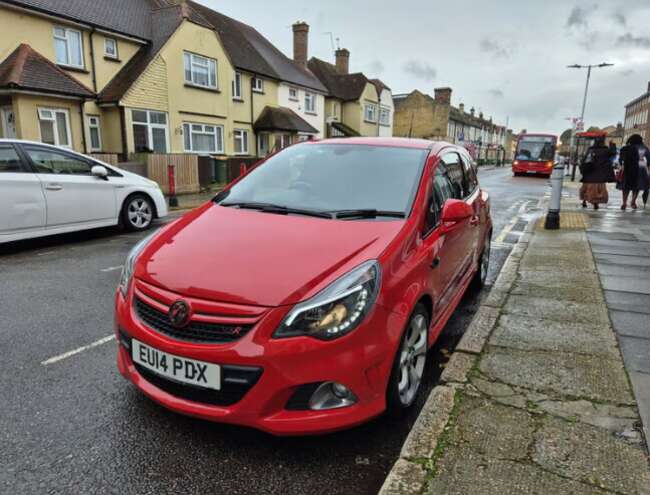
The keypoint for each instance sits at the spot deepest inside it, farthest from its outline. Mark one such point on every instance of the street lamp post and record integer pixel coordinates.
(584, 106)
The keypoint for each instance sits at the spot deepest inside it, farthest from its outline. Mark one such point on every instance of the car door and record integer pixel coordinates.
(22, 202)
(72, 194)
(459, 238)
(473, 198)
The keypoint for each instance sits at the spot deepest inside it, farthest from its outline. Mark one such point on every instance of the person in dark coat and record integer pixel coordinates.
(597, 171)
(634, 158)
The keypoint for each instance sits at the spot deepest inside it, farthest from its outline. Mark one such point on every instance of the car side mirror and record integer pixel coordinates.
(99, 171)
(454, 211)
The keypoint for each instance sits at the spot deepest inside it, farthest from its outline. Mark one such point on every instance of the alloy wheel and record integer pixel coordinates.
(412, 359)
(139, 213)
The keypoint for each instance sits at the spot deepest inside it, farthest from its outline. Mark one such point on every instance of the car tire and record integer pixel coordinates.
(406, 375)
(137, 213)
(478, 282)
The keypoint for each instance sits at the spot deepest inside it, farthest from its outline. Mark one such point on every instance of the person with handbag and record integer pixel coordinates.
(596, 169)
(635, 157)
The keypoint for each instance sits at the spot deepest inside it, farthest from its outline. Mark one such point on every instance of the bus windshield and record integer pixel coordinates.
(536, 149)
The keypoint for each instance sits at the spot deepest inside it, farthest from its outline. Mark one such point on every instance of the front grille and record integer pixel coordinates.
(194, 332)
(299, 401)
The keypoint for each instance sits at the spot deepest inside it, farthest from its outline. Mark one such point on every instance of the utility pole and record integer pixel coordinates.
(584, 106)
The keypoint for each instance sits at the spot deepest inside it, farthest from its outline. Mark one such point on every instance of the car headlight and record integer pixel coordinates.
(336, 310)
(129, 265)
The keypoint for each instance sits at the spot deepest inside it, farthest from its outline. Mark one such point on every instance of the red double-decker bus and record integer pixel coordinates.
(535, 154)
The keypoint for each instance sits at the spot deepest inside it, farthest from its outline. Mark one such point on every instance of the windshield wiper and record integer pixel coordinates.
(278, 209)
(367, 213)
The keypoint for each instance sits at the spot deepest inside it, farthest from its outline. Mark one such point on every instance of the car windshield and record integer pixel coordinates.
(536, 149)
(334, 178)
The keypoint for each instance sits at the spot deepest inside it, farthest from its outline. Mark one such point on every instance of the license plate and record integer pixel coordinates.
(531, 172)
(180, 369)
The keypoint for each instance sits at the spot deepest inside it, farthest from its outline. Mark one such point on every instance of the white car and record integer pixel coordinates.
(46, 190)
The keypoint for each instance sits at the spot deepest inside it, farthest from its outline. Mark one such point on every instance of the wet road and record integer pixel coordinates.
(76, 426)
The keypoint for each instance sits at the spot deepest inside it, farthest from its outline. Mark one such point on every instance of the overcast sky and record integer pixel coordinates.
(505, 57)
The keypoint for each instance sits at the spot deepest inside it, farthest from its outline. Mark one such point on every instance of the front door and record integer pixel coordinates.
(22, 203)
(72, 194)
(8, 122)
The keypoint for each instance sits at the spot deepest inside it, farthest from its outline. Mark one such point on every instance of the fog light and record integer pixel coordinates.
(331, 395)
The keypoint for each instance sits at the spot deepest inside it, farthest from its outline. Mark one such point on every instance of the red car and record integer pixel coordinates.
(303, 298)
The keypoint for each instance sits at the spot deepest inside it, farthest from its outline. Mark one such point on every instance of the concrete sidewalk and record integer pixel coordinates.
(536, 398)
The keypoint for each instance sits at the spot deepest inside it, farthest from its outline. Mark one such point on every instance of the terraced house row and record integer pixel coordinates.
(167, 76)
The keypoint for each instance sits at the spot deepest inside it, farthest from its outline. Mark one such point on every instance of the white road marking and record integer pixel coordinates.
(78, 350)
(111, 269)
(45, 253)
(506, 230)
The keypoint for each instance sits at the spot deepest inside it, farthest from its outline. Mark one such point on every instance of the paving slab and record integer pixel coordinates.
(628, 243)
(567, 292)
(571, 375)
(535, 334)
(631, 324)
(552, 309)
(574, 262)
(641, 386)
(637, 284)
(636, 353)
(623, 270)
(617, 259)
(621, 250)
(627, 301)
(591, 455)
(551, 281)
(595, 234)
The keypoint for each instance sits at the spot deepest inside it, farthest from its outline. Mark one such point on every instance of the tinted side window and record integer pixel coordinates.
(456, 174)
(442, 190)
(470, 174)
(53, 162)
(9, 160)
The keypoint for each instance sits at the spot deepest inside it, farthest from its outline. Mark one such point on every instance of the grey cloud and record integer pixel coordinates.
(496, 93)
(494, 48)
(421, 70)
(629, 39)
(578, 18)
(376, 67)
(620, 18)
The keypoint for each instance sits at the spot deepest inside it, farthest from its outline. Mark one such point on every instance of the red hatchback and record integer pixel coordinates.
(304, 297)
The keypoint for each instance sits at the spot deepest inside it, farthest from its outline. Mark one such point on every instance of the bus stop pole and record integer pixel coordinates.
(553, 216)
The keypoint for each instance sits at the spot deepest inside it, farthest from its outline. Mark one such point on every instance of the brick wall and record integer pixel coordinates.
(421, 116)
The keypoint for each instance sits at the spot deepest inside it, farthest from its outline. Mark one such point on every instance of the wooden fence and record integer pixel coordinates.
(186, 171)
(110, 158)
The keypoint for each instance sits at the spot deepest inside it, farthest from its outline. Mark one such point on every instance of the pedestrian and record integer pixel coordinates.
(634, 159)
(596, 169)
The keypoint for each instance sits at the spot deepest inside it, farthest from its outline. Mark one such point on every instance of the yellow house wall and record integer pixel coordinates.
(351, 115)
(369, 95)
(111, 130)
(38, 32)
(26, 110)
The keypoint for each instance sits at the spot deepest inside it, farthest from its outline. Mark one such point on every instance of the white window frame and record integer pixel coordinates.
(115, 55)
(370, 116)
(244, 136)
(196, 60)
(285, 140)
(151, 125)
(97, 125)
(259, 142)
(296, 95)
(66, 39)
(258, 84)
(310, 103)
(384, 111)
(237, 86)
(217, 133)
(55, 128)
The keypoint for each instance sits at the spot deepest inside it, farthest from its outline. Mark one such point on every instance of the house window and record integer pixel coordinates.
(94, 133)
(258, 85)
(68, 47)
(54, 126)
(203, 138)
(200, 71)
(263, 144)
(335, 110)
(150, 131)
(241, 142)
(310, 103)
(110, 47)
(384, 116)
(285, 140)
(236, 86)
(370, 113)
(293, 94)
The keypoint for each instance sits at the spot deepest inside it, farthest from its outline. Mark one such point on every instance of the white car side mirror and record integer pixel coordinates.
(99, 172)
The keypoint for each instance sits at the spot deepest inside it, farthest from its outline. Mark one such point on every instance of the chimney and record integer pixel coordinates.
(300, 40)
(442, 95)
(342, 61)
(472, 111)
(480, 115)
(648, 87)
(461, 107)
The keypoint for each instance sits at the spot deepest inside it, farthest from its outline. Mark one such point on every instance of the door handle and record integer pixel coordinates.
(54, 187)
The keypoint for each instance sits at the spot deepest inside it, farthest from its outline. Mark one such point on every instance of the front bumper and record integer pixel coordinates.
(362, 361)
(532, 167)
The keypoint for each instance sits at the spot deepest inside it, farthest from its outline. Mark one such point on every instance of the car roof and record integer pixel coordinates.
(395, 142)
